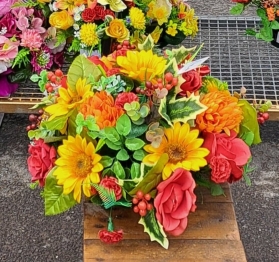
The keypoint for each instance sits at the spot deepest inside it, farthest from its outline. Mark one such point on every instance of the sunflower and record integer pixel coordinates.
(69, 99)
(77, 167)
(183, 148)
(142, 66)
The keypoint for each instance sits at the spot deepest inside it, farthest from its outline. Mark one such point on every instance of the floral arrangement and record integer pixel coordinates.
(26, 42)
(139, 129)
(267, 11)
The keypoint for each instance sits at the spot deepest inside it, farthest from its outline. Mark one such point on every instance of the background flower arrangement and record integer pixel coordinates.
(268, 12)
(140, 129)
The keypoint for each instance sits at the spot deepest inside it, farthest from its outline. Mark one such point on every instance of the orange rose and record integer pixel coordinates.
(61, 20)
(118, 30)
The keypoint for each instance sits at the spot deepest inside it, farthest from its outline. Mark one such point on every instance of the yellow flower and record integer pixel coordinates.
(183, 148)
(114, 5)
(156, 34)
(137, 18)
(77, 166)
(43, 1)
(160, 10)
(61, 20)
(189, 26)
(142, 66)
(88, 34)
(118, 30)
(69, 99)
(69, 5)
(172, 28)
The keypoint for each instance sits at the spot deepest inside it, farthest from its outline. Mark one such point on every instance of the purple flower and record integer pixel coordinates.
(6, 88)
(41, 59)
(8, 25)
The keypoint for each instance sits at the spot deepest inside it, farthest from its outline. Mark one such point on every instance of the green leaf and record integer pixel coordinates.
(137, 131)
(139, 155)
(100, 144)
(251, 32)
(55, 201)
(249, 121)
(82, 68)
(56, 123)
(134, 144)
(118, 170)
(154, 229)
(274, 24)
(106, 161)
(148, 44)
(237, 9)
(35, 78)
(181, 53)
(52, 139)
(122, 155)
(261, 13)
(113, 146)
(247, 179)
(135, 170)
(123, 125)
(216, 190)
(246, 135)
(153, 176)
(112, 135)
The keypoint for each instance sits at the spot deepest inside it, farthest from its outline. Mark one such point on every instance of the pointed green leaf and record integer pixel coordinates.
(154, 229)
(237, 9)
(216, 190)
(139, 154)
(123, 125)
(135, 170)
(181, 53)
(106, 161)
(148, 44)
(153, 176)
(55, 201)
(122, 155)
(134, 144)
(118, 170)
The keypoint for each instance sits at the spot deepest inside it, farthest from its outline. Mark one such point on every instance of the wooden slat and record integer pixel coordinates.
(179, 251)
(17, 107)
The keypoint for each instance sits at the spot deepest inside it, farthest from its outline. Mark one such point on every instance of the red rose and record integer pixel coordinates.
(193, 82)
(231, 148)
(204, 70)
(41, 160)
(125, 97)
(175, 199)
(88, 15)
(99, 12)
(97, 61)
(110, 237)
(220, 169)
(112, 183)
(109, 12)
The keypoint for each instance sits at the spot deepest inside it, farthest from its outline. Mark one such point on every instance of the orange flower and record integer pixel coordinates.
(103, 108)
(223, 113)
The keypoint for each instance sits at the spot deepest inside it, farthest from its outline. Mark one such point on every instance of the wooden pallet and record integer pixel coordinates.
(212, 235)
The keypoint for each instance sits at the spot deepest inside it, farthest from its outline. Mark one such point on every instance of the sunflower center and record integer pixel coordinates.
(83, 165)
(176, 153)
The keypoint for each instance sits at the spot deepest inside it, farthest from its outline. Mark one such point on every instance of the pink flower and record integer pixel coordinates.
(174, 200)
(5, 6)
(22, 23)
(231, 148)
(8, 49)
(31, 39)
(112, 184)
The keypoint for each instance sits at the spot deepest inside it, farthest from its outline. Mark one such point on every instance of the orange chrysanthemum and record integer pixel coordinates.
(223, 113)
(103, 108)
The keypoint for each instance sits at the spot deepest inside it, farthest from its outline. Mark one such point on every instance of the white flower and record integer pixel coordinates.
(54, 7)
(76, 10)
(76, 27)
(3, 30)
(82, 8)
(77, 34)
(77, 17)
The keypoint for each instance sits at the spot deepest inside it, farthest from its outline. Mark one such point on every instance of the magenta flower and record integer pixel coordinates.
(8, 25)
(6, 88)
(41, 59)
(31, 39)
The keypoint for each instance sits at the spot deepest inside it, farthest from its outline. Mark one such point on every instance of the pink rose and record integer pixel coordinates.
(175, 199)
(220, 169)
(8, 49)
(41, 160)
(231, 148)
(112, 183)
(193, 82)
(125, 97)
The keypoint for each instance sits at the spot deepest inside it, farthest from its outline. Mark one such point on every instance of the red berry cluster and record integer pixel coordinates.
(262, 117)
(34, 120)
(170, 81)
(121, 49)
(141, 203)
(54, 80)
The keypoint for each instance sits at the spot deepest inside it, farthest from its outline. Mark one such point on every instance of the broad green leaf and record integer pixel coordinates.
(57, 123)
(112, 135)
(135, 170)
(122, 155)
(251, 32)
(55, 201)
(82, 68)
(106, 161)
(216, 190)
(137, 131)
(154, 229)
(148, 44)
(182, 109)
(172, 67)
(237, 9)
(261, 13)
(113, 146)
(246, 135)
(139, 154)
(123, 125)
(134, 144)
(249, 121)
(274, 24)
(153, 176)
(35, 78)
(118, 170)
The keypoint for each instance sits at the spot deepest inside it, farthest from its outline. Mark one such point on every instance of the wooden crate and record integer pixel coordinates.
(212, 235)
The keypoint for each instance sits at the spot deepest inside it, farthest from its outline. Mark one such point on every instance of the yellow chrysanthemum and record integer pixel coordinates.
(142, 66)
(88, 34)
(69, 99)
(77, 166)
(183, 148)
(137, 18)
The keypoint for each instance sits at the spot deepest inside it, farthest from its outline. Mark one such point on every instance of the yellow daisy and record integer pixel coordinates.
(69, 99)
(142, 66)
(77, 167)
(137, 18)
(183, 148)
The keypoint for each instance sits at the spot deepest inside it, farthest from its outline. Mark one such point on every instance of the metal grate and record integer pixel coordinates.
(238, 59)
